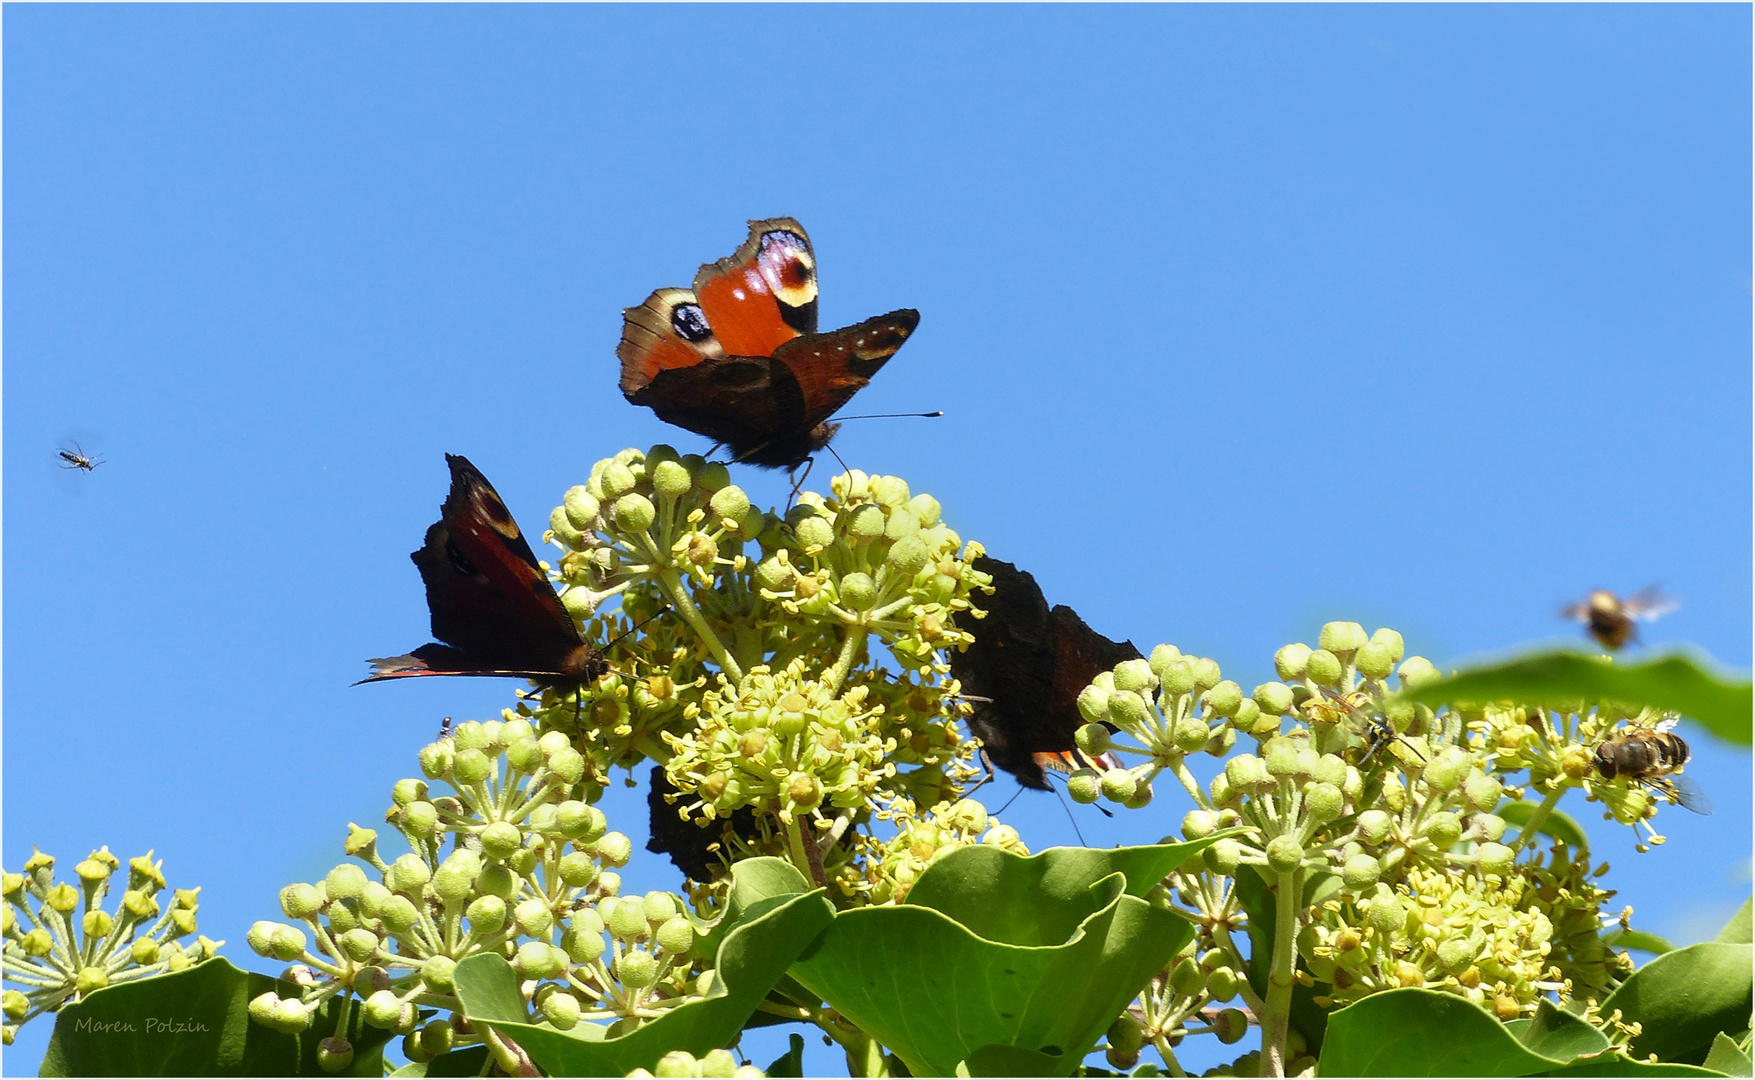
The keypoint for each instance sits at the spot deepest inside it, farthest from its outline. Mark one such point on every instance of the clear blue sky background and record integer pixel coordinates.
(1243, 319)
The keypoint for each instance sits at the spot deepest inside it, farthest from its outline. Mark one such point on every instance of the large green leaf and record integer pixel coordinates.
(196, 1023)
(1620, 1066)
(1675, 683)
(1423, 1033)
(1683, 998)
(469, 1061)
(752, 957)
(935, 990)
(1638, 940)
(1557, 824)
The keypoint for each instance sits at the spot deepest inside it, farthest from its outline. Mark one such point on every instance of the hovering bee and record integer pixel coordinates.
(445, 728)
(1652, 756)
(76, 459)
(1610, 618)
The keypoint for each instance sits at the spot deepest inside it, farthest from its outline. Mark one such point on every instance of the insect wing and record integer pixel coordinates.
(1648, 603)
(1685, 793)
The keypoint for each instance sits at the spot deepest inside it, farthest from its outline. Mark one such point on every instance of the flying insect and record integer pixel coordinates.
(1652, 756)
(1610, 619)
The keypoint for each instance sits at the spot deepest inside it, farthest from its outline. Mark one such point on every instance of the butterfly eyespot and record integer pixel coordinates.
(690, 323)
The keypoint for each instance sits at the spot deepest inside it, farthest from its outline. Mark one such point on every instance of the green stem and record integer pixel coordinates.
(1280, 976)
(671, 582)
(795, 848)
(855, 637)
(1171, 1065)
(1534, 825)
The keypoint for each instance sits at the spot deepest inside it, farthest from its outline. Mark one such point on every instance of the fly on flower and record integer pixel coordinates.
(1652, 756)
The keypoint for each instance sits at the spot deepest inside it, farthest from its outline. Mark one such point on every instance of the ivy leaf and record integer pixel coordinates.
(1637, 939)
(1555, 1033)
(469, 1061)
(1684, 998)
(1426, 1033)
(1038, 953)
(750, 960)
(791, 1063)
(196, 1023)
(1674, 683)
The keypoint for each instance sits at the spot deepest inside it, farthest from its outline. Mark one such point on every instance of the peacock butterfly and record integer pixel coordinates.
(492, 605)
(697, 850)
(738, 357)
(1030, 664)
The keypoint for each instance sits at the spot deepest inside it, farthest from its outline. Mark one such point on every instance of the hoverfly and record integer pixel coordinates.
(1652, 756)
(76, 459)
(445, 728)
(1610, 618)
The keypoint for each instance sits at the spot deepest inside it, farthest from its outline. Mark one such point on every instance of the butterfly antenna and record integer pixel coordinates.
(986, 775)
(798, 483)
(893, 416)
(617, 640)
(1011, 800)
(1069, 817)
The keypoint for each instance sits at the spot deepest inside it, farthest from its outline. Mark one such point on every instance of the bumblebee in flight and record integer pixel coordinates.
(1610, 619)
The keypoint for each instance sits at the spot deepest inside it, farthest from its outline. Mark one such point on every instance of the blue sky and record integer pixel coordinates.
(1243, 319)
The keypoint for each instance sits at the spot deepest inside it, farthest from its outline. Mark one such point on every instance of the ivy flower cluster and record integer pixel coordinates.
(752, 681)
(59, 959)
(510, 861)
(1371, 825)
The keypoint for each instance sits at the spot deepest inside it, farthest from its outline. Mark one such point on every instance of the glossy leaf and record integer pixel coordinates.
(791, 1063)
(1557, 824)
(1554, 1033)
(468, 1061)
(1684, 998)
(1637, 940)
(1620, 1066)
(753, 956)
(938, 992)
(195, 1023)
(1423, 1033)
(1675, 683)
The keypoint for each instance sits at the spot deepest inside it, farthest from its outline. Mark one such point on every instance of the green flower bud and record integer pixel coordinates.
(1374, 661)
(658, 906)
(1456, 954)
(1324, 801)
(1389, 640)
(1444, 829)
(1290, 662)
(359, 945)
(616, 479)
(1223, 857)
(719, 1063)
(729, 503)
(908, 555)
(533, 917)
(1206, 672)
(409, 873)
(1177, 678)
(1094, 704)
(1275, 699)
(866, 523)
(486, 914)
(383, 1009)
(1342, 637)
(285, 942)
(1199, 823)
(579, 507)
(676, 935)
(1222, 984)
(1084, 786)
(627, 922)
(1127, 1035)
(1373, 826)
(398, 914)
(539, 960)
(345, 882)
(1446, 771)
(1324, 668)
(1093, 739)
(1386, 915)
(637, 969)
(1490, 826)
(561, 1009)
(1482, 791)
(670, 479)
(583, 945)
(1187, 978)
(1190, 734)
(420, 819)
(1134, 675)
(470, 766)
(634, 513)
(300, 901)
(455, 877)
(1330, 769)
(1417, 671)
(1231, 1025)
(814, 533)
(1495, 858)
(568, 765)
(500, 839)
(1246, 771)
(1222, 740)
(1360, 873)
(144, 952)
(1224, 699)
(1284, 854)
(1280, 755)
(1118, 784)
(858, 591)
(678, 1063)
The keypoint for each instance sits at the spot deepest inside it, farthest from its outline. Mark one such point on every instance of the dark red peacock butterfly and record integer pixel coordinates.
(492, 606)
(698, 851)
(738, 359)
(1031, 663)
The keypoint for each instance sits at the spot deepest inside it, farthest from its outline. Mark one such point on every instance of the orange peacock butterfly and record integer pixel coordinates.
(738, 359)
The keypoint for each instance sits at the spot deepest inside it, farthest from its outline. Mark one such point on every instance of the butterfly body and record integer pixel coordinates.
(738, 357)
(493, 609)
(1031, 663)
